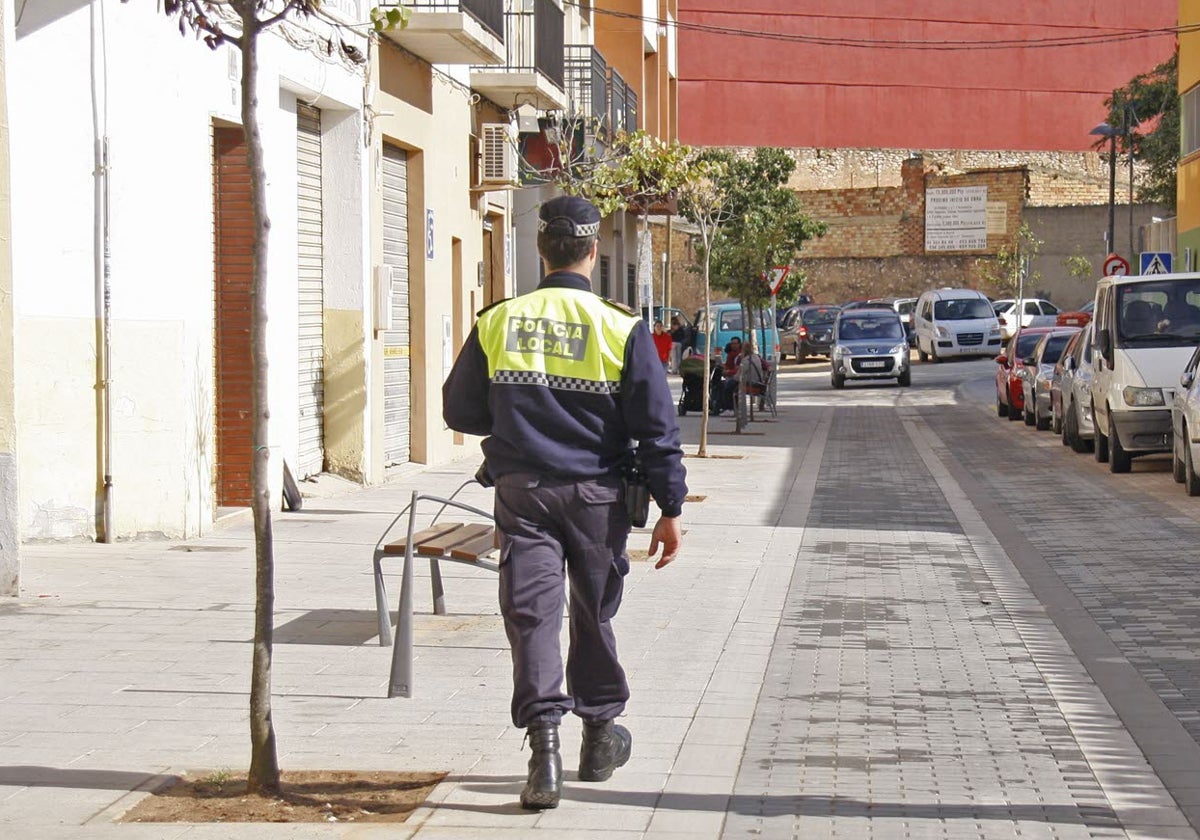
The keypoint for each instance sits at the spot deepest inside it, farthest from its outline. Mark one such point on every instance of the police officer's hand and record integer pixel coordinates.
(669, 533)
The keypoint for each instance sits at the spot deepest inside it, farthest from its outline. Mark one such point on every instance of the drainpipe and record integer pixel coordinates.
(101, 248)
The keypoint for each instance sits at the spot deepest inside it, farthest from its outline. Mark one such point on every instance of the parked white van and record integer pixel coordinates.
(1146, 329)
(955, 322)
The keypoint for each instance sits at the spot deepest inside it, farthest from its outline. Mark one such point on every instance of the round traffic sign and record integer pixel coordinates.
(1115, 266)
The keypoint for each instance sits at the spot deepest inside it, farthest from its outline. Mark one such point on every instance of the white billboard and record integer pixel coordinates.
(956, 219)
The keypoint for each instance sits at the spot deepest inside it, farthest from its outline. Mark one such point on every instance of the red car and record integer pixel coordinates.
(1077, 318)
(1011, 371)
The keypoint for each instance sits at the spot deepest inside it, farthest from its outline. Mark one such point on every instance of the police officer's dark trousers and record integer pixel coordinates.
(548, 526)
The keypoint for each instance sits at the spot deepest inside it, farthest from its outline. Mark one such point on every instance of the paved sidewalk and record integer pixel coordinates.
(832, 655)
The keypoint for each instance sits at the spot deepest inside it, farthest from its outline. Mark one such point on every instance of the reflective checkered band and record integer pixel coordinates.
(590, 229)
(558, 383)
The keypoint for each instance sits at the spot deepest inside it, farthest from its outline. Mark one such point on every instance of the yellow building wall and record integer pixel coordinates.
(433, 119)
(1188, 187)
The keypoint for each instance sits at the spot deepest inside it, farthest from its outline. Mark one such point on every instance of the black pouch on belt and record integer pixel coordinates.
(637, 496)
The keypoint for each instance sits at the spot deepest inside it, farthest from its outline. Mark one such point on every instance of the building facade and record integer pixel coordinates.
(911, 74)
(9, 507)
(1188, 185)
(399, 204)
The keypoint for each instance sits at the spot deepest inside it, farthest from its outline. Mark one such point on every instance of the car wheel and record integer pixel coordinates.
(933, 356)
(1100, 444)
(837, 380)
(1178, 468)
(921, 354)
(1014, 413)
(1001, 408)
(1042, 424)
(1029, 416)
(1119, 461)
(905, 379)
(1056, 423)
(800, 357)
(1191, 481)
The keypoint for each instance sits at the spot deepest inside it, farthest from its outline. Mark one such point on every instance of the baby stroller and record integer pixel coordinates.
(692, 398)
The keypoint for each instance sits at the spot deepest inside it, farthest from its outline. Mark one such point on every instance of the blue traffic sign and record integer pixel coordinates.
(1156, 262)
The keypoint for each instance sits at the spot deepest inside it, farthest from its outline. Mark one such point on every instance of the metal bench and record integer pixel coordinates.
(470, 543)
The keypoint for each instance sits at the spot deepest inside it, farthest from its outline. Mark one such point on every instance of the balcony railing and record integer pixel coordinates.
(586, 75)
(534, 37)
(489, 13)
(622, 103)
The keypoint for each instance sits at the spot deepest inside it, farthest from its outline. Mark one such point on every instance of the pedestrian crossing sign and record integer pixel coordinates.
(1156, 262)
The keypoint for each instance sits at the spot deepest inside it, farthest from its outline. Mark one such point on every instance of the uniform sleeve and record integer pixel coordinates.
(649, 413)
(465, 392)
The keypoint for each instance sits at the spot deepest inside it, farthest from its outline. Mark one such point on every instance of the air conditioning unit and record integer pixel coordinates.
(498, 156)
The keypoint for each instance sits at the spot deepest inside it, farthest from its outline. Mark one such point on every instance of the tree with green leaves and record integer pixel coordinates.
(1149, 100)
(638, 172)
(1009, 271)
(239, 24)
(704, 200)
(767, 225)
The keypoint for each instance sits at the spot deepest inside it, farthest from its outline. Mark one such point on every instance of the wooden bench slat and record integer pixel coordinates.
(443, 544)
(433, 532)
(474, 549)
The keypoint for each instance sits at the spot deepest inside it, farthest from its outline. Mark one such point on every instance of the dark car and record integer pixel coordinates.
(1011, 371)
(807, 331)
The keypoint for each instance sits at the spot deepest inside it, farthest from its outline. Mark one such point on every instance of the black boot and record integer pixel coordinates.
(545, 768)
(606, 746)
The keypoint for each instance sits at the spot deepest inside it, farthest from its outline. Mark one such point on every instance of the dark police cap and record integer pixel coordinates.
(569, 215)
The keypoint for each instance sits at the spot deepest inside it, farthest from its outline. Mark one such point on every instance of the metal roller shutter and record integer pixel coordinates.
(311, 288)
(233, 371)
(396, 373)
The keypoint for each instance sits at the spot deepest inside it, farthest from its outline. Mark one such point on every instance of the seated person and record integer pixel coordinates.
(722, 398)
(1179, 315)
(1138, 319)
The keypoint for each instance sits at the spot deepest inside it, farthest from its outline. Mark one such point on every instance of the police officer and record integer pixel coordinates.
(561, 382)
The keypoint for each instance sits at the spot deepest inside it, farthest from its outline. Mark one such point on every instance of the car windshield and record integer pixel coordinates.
(820, 316)
(1052, 352)
(962, 309)
(1159, 314)
(1026, 342)
(869, 329)
(733, 319)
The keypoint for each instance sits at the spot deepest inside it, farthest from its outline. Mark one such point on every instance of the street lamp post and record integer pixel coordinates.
(1111, 132)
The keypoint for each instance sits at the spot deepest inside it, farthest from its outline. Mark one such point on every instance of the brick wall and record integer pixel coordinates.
(875, 243)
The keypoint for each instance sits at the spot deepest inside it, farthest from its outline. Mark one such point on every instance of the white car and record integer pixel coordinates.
(1041, 365)
(1071, 394)
(1185, 427)
(1037, 313)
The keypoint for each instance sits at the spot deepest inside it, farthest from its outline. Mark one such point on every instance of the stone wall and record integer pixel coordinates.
(875, 243)
(1055, 178)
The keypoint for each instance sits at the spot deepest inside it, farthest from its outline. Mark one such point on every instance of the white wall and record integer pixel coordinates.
(163, 94)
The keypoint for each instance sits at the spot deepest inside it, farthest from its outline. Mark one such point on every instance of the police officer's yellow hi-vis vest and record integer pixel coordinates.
(560, 338)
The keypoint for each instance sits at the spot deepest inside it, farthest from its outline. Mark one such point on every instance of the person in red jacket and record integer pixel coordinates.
(662, 343)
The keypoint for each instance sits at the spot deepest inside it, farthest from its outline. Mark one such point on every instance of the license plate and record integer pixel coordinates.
(873, 364)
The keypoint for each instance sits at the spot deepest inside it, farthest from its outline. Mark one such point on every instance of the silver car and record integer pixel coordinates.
(1036, 386)
(1071, 393)
(1185, 424)
(869, 344)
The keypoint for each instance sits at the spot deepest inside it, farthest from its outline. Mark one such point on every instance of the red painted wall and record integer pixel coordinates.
(747, 91)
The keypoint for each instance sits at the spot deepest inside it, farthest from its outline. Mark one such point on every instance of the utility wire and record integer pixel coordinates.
(1117, 36)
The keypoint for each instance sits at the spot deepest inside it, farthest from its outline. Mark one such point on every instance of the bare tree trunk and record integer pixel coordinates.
(263, 776)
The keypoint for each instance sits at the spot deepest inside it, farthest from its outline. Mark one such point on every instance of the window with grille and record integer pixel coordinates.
(1190, 118)
(631, 295)
(605, 278)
